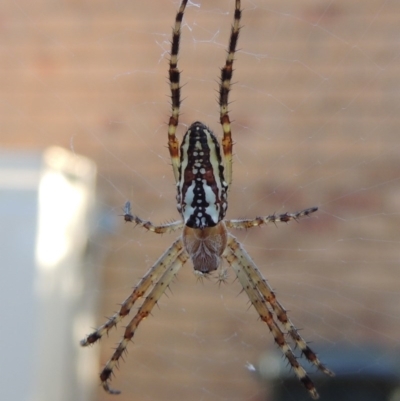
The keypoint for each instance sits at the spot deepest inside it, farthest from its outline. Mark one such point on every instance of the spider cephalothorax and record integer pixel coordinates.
(205, 246)
(203, 176)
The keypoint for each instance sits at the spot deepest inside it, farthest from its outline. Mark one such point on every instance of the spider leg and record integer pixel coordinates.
(160, 229)
(162, 264)
(148, 225)
(224, 89)
(143, 312)
(174, 78)
(272, 218)
(241, 263)
(269, 296)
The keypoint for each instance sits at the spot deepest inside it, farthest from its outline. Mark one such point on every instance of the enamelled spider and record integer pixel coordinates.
(203, 176)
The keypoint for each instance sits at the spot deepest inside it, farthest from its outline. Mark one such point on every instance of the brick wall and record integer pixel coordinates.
(316, 121)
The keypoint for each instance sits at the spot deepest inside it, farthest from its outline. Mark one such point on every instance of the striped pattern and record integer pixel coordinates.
(262, 297)
(143, 312)
(224, 89)
(174, 79)
(202, 190)
(138, 292)
(272, 218)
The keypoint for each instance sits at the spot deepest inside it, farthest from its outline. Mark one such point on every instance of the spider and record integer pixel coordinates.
(203, 176)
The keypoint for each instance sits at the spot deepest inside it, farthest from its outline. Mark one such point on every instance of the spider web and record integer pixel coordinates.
(315, 110)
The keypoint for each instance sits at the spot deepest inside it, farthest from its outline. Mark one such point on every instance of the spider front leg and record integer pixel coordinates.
(143, 312)
(262, 297)
(140, 289)
(268, 294)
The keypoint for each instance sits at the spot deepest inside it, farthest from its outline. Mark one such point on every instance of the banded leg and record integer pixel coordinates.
(141, 288)
(272, 218)
(265, 314)
(224, 89)
(143, 312)
(174, 80)
(148, 225)
(259, 282)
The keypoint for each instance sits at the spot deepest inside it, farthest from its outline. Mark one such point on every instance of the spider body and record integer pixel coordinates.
(202, 190)
(203, 175)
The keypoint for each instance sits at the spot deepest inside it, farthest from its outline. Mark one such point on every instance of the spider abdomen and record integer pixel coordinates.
(202, 190)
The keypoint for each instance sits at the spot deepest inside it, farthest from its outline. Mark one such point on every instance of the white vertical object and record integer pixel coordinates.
(46, 210)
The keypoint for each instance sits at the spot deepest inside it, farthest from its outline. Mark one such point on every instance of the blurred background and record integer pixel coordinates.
(84, 108)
